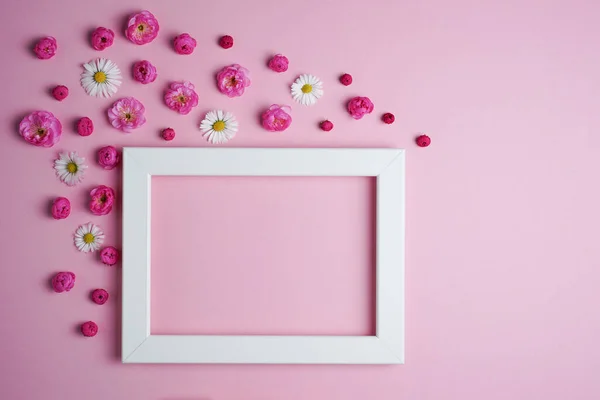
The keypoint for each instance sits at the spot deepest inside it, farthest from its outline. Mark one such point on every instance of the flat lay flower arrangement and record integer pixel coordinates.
(101, 77)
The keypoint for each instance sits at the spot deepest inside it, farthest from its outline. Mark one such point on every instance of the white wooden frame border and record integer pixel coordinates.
(386, 347)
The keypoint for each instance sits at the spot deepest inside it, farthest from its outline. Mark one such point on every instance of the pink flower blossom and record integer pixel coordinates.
(89, 329)
(108, 157)
(61, 208)
(100, 296)
(41, 128)
(109, 255)
(142, 28)
(359, 106)
(279, 63)
(45, 48)
(60, 92)
(102, 200)
(184, 44)
(277, 118)
(181, 97)
(127, 114)
(63, 282)
(85, 126)
(144, 72)
(233, 80)
(102, 38)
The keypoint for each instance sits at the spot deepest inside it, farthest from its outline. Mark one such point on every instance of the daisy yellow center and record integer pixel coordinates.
(99, 76)
(306, 88)
(88, 238)
(72, 167)
(218, 126)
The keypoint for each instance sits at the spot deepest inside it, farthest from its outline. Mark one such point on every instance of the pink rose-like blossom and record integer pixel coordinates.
(63, 282)
(279, 63)
(142, 28)
(60, 92)
(108, 157)
(41, 128)
(277, 118)
(100, 296)
(89, 329)
(45, 48)
(102, 200)
(144, 72)
(233, 80)
(184, 44)
(181, 97)
(85, 126)
(359, 106)
(109, 255)
(102, 38)
(61, 208)
(127, 114)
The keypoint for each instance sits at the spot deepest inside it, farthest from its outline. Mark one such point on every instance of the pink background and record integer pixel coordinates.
(263, 255)
(502, 210)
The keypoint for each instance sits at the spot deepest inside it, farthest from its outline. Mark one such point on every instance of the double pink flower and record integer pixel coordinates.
(358, 107)
(184, 44)
(102, 38)
(277, 118)
(144, 72)
(102, 200)
(41, 128)
(108, 157)
(45, 48)
(233, 80)
(127, 114)
(142, 28)
(181, 97)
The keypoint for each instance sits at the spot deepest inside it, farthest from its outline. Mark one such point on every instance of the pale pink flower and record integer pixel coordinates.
(63, 282)
(109, 255)
(102, 38)
(102, 199)
(184, 44)
(61, 208)
(142, 28)
(277, 118)
(108, 157)
(279, 63)
(127, 114)
(359, 106)
(41, 128)
(233, 80)
(181, 97)
(45, 48)
(144, 72)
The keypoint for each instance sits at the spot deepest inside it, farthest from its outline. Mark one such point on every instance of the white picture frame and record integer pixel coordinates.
(385, 347)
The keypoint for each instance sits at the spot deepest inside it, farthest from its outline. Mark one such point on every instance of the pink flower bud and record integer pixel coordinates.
(108, 157)
(61, 208)
(85, 126)
(63, 282)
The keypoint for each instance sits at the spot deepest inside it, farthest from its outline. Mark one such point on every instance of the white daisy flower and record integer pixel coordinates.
(88, 237)
(218, 126)
(307, 89)
(101, 78)
(70, 168)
